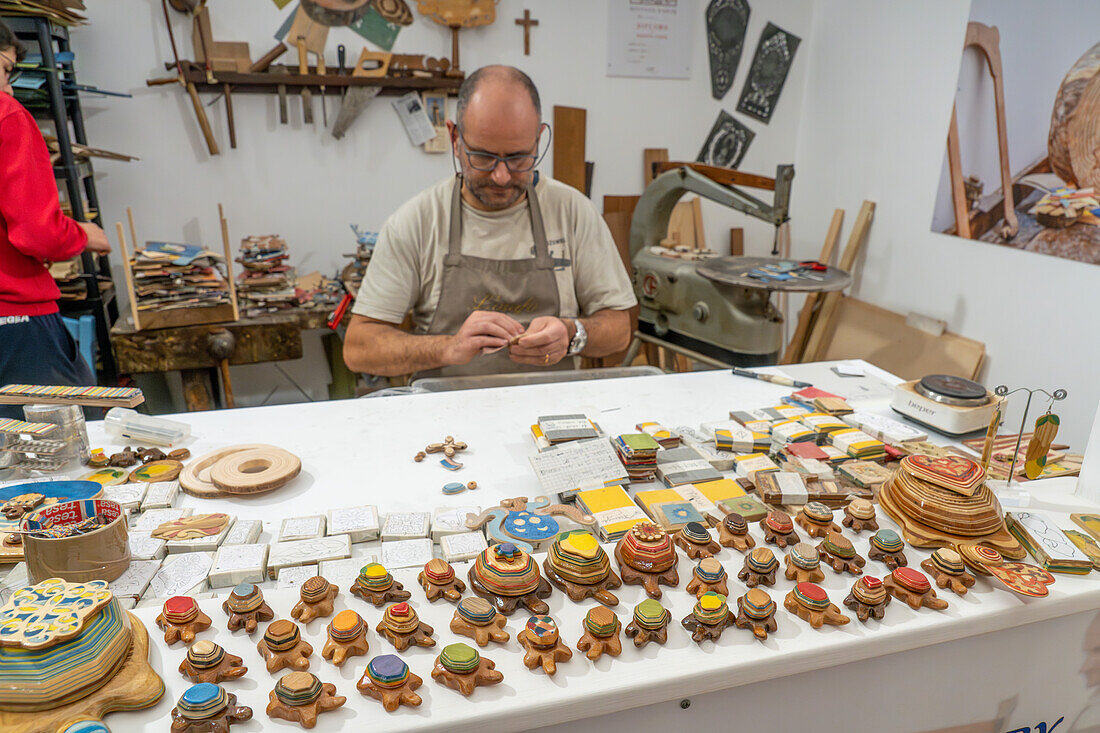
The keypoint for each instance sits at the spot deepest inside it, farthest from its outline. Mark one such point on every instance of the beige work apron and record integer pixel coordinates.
(523, 289)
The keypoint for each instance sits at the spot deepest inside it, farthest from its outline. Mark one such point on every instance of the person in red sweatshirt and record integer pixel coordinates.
(35, 347)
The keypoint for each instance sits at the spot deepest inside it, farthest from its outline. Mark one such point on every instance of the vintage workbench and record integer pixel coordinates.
(193, 351)
(992, 662)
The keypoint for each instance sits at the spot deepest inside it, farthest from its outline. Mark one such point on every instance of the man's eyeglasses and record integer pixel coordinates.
(485, 162)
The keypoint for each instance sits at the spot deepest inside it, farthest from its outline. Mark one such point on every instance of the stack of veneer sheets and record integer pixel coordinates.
(638, 452)
(171, 276)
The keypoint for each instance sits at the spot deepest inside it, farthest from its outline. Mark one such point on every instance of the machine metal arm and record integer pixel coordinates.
(650, 221)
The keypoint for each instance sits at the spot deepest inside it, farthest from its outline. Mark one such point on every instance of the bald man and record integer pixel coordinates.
(501, 269)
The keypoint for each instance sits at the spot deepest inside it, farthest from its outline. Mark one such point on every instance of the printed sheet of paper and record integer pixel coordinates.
(650, 38)
(580, 464)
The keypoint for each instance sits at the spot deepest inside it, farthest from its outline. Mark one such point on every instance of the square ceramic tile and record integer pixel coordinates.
(451, 520)
(244, 532)
(160, 494)
(302, 528)
(144, 546)
(135, 580)
(406, 553)
(360, 522)
(307, 552)
(406, 525)
(150, 519)
(235, 564)
(465, 546)
(128, 495)
(295, 576)
(181, 575)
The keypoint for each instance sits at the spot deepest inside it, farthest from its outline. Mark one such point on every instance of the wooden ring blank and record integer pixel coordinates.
(256, 470)
(195, 477)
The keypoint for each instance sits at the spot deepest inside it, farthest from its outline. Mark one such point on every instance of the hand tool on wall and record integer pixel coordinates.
(341, 69)
(307, 94)
(196, 103)
(281, 70)
(359, 96)
(321, 73)
(268, 59)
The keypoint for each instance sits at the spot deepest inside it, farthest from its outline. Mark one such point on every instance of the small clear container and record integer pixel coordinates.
(131, 425)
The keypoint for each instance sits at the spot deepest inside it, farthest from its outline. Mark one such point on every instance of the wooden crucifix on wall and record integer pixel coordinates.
(527, 22)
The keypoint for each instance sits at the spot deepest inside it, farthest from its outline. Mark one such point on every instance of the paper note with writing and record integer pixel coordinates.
(580, 464)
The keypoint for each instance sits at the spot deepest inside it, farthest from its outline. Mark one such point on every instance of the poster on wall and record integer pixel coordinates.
(726, 24)
(1021, 163)
(768, 73)
(650, 38)
(727, 142)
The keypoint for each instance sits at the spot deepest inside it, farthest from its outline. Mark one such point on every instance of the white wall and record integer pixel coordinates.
(880, 83)
(300, 182)
(1037, 49)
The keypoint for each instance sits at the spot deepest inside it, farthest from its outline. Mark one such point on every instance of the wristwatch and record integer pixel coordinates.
(580, 339)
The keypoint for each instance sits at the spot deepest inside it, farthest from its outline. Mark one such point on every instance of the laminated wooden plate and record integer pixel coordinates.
(195, 477)
(255, 471)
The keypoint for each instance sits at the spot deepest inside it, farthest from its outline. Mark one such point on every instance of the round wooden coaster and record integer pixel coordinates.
(195, 477)
(255, 471)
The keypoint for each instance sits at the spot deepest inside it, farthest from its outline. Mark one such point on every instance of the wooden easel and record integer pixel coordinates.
(987, 40)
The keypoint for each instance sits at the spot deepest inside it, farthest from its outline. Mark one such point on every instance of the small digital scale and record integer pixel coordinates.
(947, 404)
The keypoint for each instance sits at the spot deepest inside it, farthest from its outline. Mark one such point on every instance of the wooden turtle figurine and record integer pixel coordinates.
(709, 575)
(709, 618)
(317, 596)
(543, 645)
(300, 697)
(438, 580)
(246, 608)
(347, 637)
(207, 708)
(803, 564)
(647, 557)
(508, 577)
(837, 552)
(759, 567)
(283, 647)
(778, 529)
(810, 603)
(733, 531)
(756, 611)
(479, 620)
(860, 515)
(887, 548)
(579, 566)
(912, 587)
(181, 618)
(375, 585)
(460, 667)
(403, 627)
(208, 662)
(388, 680)
(696, 542)
(868, 598)
(816, 519)
(947, 569)
(601, 634)
(650, 623)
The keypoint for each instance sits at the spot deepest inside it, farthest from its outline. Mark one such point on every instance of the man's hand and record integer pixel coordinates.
(546, 342)
(97, 240)
(483, 331)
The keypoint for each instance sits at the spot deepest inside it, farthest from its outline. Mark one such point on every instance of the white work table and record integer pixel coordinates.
(361, 451)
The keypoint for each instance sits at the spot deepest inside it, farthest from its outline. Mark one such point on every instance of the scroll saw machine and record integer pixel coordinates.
(730, 320)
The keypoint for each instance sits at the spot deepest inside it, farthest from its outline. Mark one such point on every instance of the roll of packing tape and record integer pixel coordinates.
(255, 471)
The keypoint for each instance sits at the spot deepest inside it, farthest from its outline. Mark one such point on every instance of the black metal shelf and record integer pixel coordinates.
(78, 176)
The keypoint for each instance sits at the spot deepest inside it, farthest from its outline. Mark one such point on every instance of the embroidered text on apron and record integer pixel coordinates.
(523, 289)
